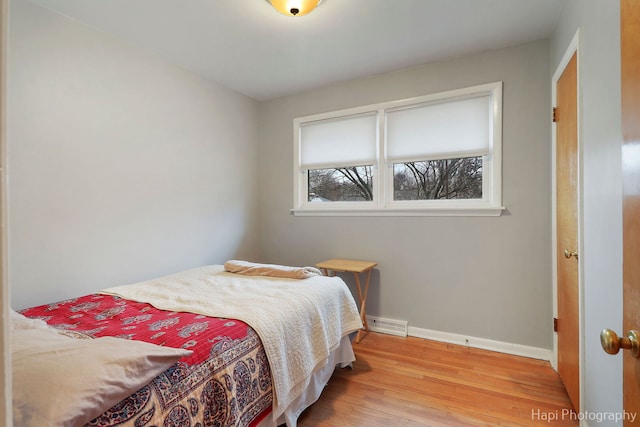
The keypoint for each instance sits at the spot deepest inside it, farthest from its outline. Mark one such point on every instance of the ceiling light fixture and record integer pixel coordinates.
(294, 7)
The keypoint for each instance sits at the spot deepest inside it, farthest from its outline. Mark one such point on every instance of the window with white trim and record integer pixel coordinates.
(437, 154)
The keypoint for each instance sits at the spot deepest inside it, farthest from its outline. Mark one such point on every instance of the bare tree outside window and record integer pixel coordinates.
(438, 179)
(341, 184)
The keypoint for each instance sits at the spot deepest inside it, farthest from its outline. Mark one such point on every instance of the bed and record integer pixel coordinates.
(242, 350)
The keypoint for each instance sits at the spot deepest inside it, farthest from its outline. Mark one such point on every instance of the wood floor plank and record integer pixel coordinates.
(416, 382)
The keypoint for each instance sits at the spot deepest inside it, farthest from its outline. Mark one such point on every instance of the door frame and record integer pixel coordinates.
(573, 48)
(6, 402)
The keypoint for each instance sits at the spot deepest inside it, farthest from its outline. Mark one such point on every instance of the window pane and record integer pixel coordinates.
(352, 184)
(438, 179)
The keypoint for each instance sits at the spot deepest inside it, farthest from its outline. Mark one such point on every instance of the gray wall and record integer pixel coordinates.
(601, 139)
(121, 167)
(482, 277)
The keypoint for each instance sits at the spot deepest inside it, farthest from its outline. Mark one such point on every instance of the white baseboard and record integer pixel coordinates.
(401, 328)
(482, 343)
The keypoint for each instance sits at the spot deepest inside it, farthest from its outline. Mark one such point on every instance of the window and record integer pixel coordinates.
(438, 154)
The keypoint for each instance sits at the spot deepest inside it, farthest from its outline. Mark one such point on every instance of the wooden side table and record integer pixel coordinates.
(331, 266)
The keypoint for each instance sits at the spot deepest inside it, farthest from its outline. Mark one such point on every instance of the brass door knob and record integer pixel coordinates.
(568, 254)
(612, 344)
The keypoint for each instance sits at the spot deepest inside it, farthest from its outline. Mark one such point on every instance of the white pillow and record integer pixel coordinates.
(18, 321)
(63, 381)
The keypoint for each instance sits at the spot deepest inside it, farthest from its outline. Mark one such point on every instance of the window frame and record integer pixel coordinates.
(383, 203)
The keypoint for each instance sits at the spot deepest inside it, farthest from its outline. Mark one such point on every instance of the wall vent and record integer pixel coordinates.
(388, 326)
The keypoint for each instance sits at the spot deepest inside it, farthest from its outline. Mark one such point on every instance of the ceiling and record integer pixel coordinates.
(247, 46)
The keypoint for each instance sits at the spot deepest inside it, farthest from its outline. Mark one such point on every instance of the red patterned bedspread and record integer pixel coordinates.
(225, 382)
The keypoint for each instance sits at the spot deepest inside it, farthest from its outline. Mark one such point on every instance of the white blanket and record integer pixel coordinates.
(299, 321)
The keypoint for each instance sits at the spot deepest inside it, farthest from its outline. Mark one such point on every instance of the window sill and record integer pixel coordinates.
(446, 212)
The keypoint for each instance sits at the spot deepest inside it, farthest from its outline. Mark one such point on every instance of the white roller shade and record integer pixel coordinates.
(459, 128)
(348, 141)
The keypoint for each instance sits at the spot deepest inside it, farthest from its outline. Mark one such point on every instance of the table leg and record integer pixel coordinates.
(363, 303)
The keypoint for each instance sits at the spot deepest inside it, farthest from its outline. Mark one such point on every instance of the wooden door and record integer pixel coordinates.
(630, 79)
(568, 327)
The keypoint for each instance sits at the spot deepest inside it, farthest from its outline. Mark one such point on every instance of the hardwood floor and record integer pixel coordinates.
(415, 382)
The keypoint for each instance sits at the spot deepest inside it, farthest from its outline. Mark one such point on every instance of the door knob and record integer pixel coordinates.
(568, 254)
(612, 344)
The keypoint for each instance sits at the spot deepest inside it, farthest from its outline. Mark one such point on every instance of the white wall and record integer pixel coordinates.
(121, 167)
(481, 277)
(601, 139)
